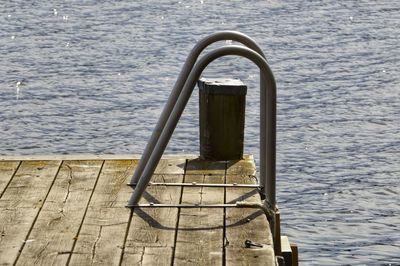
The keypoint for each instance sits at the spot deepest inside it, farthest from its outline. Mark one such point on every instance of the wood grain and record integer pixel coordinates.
(21, 203)
(200, 230)
(151, 235)
(246, 224)
(52, 237)
(7, 171)
(101, 237)
(73, 212)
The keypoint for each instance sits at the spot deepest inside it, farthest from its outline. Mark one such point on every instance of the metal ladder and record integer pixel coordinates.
(175, 105)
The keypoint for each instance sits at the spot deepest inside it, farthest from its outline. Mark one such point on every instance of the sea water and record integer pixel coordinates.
(93, 77)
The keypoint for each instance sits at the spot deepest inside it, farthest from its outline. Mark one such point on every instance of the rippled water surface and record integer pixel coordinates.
(92, 77)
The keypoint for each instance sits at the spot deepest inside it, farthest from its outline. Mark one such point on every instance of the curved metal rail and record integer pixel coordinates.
(268, 118)
(182, 77)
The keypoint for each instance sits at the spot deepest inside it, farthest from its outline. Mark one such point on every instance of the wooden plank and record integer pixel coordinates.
(7, 171)
(21, 203)
(246, 224)
(242, 167)
(101, 237)
(172, 166)
(202, 167)
(151, 235)
(200, 231)
(51, 239)
(148, 255)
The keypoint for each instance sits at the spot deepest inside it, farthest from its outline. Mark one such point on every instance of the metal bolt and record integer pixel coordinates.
(249, 244)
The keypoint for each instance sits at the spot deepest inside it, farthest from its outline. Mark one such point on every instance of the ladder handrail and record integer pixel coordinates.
(269, 142)
(177, 89)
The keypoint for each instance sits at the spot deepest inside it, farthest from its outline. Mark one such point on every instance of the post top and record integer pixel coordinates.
(226, 86)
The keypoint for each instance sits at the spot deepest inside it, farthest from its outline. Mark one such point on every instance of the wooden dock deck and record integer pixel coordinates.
(70, 210)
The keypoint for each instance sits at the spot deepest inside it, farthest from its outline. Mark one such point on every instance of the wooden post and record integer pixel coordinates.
(286, 251)
(277, 236)
(222, 114)
(295, 255)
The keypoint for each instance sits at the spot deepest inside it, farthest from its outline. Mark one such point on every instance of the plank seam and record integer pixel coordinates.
(178, 215)
(126, 236)
(38, 213)
(128, 226)
(84, 215)
(9, 181)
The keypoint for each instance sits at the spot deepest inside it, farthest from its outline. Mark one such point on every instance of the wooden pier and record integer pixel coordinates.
(70, 210)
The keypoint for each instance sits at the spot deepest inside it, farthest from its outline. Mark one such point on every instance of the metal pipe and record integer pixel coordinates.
(194, 184)
(160, 205)
(238, 204)
(268, 117)
(182, 77)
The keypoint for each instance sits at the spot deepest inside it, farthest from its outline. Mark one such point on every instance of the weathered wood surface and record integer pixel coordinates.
(20, 205)
(246, 224)
(222, 104)
(101, 238)
(57, 225)
(7, 171)
(151, 236)
(72, 212)
(200, 230)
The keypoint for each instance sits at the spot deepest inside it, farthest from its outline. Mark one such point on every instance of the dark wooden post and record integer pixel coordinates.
(222, 114)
